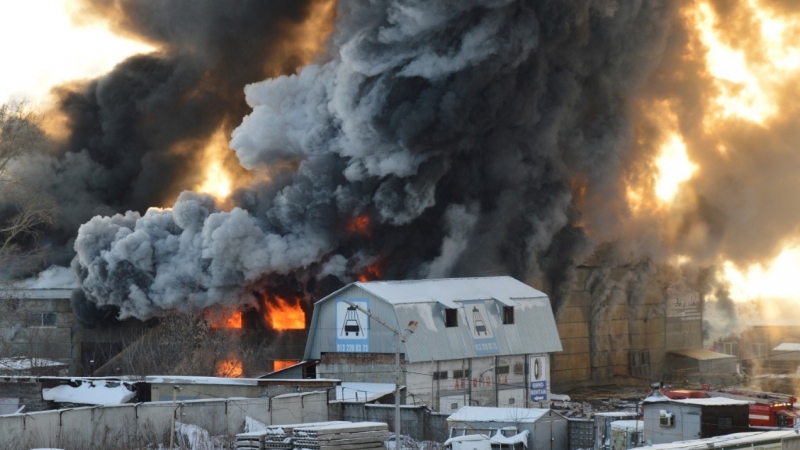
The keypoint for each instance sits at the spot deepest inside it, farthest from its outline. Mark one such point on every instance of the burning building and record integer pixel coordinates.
(389, 140)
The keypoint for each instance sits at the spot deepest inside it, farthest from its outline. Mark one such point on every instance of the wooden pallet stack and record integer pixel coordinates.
(352, 436)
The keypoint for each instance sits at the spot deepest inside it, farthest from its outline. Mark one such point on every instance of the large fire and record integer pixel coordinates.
(747, 57)
(281, 314)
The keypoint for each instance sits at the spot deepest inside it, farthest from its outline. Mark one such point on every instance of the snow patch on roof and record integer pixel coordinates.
(489, 414)
(451, 289)
(787, 347)
(95, 392)
(425, 313)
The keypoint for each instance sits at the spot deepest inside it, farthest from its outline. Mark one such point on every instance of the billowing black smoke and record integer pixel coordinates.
(135, 136)
(435, 139)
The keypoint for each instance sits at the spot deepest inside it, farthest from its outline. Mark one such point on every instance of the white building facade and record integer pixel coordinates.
(478, 341)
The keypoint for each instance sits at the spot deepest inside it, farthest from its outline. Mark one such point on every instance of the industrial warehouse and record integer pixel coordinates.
(399, 225)
(463, 358)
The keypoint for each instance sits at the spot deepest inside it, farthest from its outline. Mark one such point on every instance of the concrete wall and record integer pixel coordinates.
(418, 422)
(149, 423)
(26, 390)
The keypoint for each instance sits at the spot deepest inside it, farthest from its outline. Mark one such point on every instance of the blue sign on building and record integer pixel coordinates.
(352, 326)
(478, 323)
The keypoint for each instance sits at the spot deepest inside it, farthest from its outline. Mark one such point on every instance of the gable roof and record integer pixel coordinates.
(448, 290)
(532, 329)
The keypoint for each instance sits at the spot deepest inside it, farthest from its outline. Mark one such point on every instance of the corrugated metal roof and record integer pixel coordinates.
(700, 354)
(399, 302)
(787, 347)
(491, 414)
(503, 289)
(727, 441)
(55, 293)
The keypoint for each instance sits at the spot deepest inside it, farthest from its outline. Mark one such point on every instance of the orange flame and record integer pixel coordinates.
(282, 315)
(229, 368)
(359, 225)
(371, 273)
(279, 364)
(231, 320)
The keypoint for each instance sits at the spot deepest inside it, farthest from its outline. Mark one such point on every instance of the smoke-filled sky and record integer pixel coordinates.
(404, 139)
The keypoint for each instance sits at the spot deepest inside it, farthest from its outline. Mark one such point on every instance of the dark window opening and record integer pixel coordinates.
(508, 315)
(42, 319)
(502, 370)
(511, 400)
(639, 362)
(725, 423)
(440, 375)
(450, 317)
(518, 368)
(461, 373)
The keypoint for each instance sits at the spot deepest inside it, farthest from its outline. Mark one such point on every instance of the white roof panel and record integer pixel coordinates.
(787, 347)
(489, 414)
(503, 289)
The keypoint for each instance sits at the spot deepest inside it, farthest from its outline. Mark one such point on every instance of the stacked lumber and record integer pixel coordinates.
(347, 436)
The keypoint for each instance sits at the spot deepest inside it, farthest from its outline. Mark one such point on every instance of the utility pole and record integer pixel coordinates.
(175, 390)
(400, 337)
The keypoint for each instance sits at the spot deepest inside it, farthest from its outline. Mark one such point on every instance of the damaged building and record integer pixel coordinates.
(613, 325)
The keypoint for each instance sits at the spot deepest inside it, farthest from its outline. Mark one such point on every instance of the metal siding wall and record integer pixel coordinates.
(323, 337)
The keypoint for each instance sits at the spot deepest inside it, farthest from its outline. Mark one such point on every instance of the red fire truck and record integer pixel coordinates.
(767, 409)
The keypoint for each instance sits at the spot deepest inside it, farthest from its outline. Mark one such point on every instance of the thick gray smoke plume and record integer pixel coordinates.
(135, 136)
(435, 139)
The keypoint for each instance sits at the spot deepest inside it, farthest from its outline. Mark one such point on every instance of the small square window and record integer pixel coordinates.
(440, 375)
(454, 406)
(450, 317)
(725, 423)
(508, 315)
(511, 400)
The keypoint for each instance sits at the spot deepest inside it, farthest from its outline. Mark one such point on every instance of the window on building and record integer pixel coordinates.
(728, 347)
(511, 400)
(508, 315)
(461, 373)
(518, 368)
(450, 317)
(42, 319)
(640, 362)
(725, 423)
(759, 350)
(502, 370)
(453, 406)
(440, 375)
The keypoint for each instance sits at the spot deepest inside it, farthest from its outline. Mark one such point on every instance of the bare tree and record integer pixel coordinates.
(181, 344)
(24, 212)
